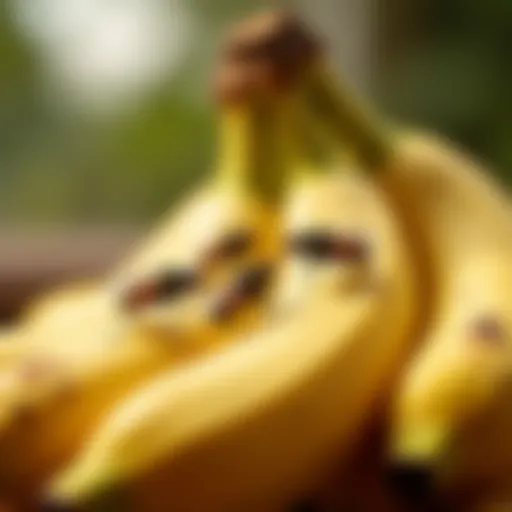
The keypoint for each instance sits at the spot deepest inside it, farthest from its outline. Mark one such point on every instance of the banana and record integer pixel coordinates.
(11, 349)
(458, 220)
(63, 308)
(6, 334)
(59, 317)
(48, 304)
(51, 400)
(58, 314)
(231, 420)
(253, 425)
(49, 320)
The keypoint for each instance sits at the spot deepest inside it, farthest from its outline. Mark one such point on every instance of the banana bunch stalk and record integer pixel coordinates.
(255, 424)
(88, 348)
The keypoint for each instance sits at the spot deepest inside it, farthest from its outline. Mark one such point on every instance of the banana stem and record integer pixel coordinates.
(254, 147)
(346, 118)
(314, 149)
(312, 152)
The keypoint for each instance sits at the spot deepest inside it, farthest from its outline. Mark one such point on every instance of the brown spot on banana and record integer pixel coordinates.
(320, 245)
(37, 369)
(248, 286)
(490, 329)
(233, 245)
(165, 286)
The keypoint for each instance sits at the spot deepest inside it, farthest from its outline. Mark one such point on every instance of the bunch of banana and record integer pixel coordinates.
(252, 426)
(200, 280)
(390, 314)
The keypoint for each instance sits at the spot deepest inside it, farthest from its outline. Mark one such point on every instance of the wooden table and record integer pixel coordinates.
(32, 260)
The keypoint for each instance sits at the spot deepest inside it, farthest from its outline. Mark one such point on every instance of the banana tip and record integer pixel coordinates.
(83, 484)
(415, 482)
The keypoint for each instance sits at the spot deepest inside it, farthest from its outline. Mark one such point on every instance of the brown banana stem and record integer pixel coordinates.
(278, 44)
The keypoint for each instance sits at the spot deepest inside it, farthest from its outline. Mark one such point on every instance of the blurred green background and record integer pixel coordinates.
(105, 114)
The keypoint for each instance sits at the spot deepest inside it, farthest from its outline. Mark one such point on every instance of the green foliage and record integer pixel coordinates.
(457, 77)
(56, 165)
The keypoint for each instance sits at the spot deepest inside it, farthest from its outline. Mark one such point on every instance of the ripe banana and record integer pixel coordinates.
(59, 317)
(62, 312)
(458, 220)
(11, 348)
(49, 304)
(51, 400)
(8, 336)
(224, 432)
(49, 320)
(253, 425)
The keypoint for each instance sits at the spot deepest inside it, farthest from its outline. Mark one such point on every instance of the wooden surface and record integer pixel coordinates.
(34, 260)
